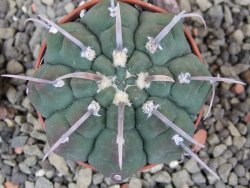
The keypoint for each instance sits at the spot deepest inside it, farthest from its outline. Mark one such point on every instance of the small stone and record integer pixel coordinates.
(233, 179)
(135, 183)
(32, 150)
(233, 130)
(18, 178)
(228, 15)
(10, 162)
(29, 184)
(185, 5)
(181, 177)
(84, 177)
(238, 36)
(238, 89)
(59, 163)
(38, 136)
(162, 177)
(219, 149)
(229, 141)
(48, 2)
(198, 178)
(42, 182)
(156, 168)
(204, 4)
(14, 67)
(24, 168)
(69, 7)
(247, 117)
(213, 139)
(6, 33)
(192, 166)
(242, 2)
(2, 178)
(246, 46)
(72, 185)
(30, 161)
(239, 68)
(173, 164)
(18, 141)
(9, 184)
(40, 173)
(97, 178)
(239, 141)
(18, 150)
(224, 171)
(246, 30)
(11, 94)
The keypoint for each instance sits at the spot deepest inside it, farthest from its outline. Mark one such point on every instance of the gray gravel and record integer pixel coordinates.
(225, 46)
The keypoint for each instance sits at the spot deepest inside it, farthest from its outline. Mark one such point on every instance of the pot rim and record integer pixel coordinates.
(200, 136)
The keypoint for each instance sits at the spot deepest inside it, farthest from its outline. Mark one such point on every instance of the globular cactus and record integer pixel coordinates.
(120, 88)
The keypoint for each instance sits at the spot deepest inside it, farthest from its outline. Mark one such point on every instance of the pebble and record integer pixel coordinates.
(198, 178)
(18, 178)
(233, 179)
(238, 89)
(14, 67)
(224, 171)
(228, 15)
(97, 178)
(180, 178)
(162, 177)
(173, 164)
(11, 94)
(29, 184)
(18, 141)
(191, 166)
(213, 139)
(240, 170)
(6, 33)
(30, 161)
(40, 173)
(9, 184)
(59, 163)
(135, 183)
(84, 177)
(32, 150)
(72, 185)
(156, 168)
(204, 4)
(48, 2)
(246, 30)
(24, 168)
(238, 36)
(185, 5)
(69, 7)
(243, 2)
(38, 136)
(229, 141)
(233, 130)
(239, 141)
(43, 182)
(1, 178)
(219, 149)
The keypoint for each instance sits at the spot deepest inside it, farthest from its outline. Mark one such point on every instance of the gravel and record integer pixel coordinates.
(225, 46)
(59, 163)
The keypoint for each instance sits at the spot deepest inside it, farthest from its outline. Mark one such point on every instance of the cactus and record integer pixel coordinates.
(120, 88)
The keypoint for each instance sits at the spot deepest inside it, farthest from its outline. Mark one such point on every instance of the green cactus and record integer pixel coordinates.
(117, 95)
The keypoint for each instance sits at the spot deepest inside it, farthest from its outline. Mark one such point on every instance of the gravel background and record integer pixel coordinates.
(225, 46)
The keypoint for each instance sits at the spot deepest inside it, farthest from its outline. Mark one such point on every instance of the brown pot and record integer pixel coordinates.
(200, 135)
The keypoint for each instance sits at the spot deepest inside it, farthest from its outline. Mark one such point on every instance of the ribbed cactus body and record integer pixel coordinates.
(147, 139)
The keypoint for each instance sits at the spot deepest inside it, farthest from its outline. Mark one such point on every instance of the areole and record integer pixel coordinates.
(201, 134)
